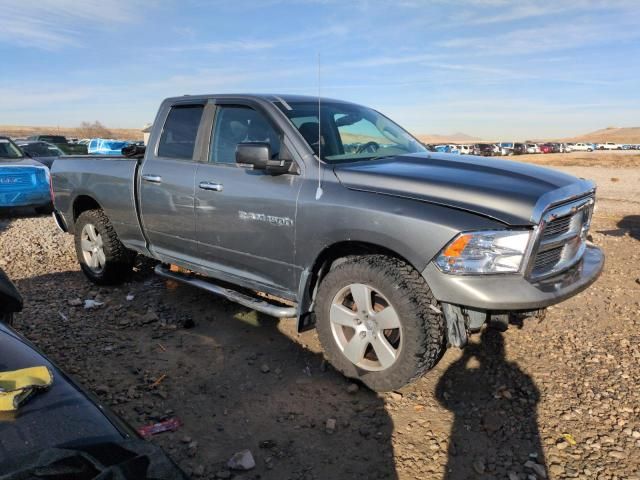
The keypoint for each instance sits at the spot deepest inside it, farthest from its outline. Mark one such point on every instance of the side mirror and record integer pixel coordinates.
(258, 155)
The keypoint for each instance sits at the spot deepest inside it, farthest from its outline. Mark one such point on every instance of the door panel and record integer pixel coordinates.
(248, 228)
(245, 219)
(166, 184)
(167, 206)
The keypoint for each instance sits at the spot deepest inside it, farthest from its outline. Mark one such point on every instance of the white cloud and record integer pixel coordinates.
(53, 24)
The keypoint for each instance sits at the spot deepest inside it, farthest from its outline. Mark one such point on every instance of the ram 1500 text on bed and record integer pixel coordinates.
(389, 250)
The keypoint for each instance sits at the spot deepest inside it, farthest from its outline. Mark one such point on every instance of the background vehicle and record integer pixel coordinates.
(582, 147)
(519, 149)
(447, 149)
(546, 148)
(44, 152)
(609, 146)
(465, 149)
(239, 188)
(61, 142)
(10, 299)
(23, 182)
(533, 148)
(483, 149)
(65, 415)
(102, 146)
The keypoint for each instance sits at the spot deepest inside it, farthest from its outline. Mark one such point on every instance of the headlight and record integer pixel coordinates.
(496, 251)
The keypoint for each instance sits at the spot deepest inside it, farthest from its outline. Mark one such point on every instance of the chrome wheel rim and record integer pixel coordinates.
(92, 248)
(366, 327)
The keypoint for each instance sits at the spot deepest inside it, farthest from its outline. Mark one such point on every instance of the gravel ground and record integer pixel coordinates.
(557, 398)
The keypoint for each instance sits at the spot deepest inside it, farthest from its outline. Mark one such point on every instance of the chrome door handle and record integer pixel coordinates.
(216, 187)
(152, 178)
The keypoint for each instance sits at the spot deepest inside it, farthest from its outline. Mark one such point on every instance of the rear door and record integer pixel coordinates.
(166, 184)
(245, 219)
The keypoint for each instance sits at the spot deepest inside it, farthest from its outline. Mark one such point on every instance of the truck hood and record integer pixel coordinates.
(510, 192)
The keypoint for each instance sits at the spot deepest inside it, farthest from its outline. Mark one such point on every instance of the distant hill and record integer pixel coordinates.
(20, 131)
(453, 138)
(611, 134)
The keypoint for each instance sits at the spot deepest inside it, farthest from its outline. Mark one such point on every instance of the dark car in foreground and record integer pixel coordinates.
(64, 432)
(44, 152)
(62, 143)
(389, 250)
(24, 182)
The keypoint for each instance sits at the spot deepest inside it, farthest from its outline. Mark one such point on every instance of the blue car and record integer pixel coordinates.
(23, 181)
(101, 146)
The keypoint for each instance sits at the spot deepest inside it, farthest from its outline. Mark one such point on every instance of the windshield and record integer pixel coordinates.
(9, 150)
(41, 149)
(349, 132)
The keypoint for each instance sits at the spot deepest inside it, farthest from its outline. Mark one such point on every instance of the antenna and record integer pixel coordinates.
(319, 191)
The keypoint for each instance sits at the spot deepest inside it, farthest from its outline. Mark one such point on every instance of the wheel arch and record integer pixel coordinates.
(82, 203)
(327, 259)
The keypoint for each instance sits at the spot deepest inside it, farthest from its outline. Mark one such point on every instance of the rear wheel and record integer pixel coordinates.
(376, 324)
(103, 258)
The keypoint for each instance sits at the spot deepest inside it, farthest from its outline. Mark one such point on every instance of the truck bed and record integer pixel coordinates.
(111, 181)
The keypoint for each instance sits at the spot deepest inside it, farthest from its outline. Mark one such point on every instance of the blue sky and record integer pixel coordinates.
(489, 68)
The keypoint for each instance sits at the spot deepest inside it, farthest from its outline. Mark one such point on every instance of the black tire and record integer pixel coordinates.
(46, 210)
(422, 327)
(118, 264)
(6, 318)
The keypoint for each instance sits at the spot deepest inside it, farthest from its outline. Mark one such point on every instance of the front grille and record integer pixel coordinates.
(557, 226)
(548, 258)
(562, 237)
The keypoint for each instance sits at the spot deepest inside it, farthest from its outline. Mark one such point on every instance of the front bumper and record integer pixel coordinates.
(514, 292)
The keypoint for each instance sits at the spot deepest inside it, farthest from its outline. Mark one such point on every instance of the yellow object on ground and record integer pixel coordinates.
(16, 386)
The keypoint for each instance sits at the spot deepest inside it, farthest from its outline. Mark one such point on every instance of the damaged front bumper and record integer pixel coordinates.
(513, 292)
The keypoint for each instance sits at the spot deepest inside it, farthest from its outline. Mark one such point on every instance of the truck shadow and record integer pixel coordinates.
(237, 380)
(494, 403)
(631, 223)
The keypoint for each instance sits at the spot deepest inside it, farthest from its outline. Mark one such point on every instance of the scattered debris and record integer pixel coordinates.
(242, 460)
(130, 297)
(569, 438)
(158, 381)
(353, 388)
(264, 368)
(91, 304)
(330, 425)
(169, 425)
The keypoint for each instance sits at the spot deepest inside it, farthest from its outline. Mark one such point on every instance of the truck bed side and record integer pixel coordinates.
(108, 181)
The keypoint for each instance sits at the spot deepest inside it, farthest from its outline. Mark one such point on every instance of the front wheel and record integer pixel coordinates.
(103, 258)
(376, 322)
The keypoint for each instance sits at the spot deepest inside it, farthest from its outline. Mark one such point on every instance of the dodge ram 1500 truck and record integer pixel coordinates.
(392, 252)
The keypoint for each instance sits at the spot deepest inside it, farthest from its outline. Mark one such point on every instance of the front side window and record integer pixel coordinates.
(349, 132)
(234, 125)
(178, 139)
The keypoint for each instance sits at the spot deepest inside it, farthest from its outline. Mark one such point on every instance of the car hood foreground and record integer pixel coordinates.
(502, 190)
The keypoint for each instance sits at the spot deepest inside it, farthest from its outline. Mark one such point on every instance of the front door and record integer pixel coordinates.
(245, 219)
(167, 189)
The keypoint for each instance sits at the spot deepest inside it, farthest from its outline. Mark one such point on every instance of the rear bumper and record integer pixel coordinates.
(514, 292)
(39, 197)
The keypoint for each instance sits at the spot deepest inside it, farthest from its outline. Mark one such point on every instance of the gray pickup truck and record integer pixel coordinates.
(328, 212)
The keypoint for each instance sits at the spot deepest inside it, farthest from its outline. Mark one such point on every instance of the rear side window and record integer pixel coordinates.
(178, 139)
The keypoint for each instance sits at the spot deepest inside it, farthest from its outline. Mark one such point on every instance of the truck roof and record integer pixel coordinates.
(269, 97)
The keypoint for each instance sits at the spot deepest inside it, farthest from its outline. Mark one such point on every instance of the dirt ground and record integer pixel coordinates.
(557, 398)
